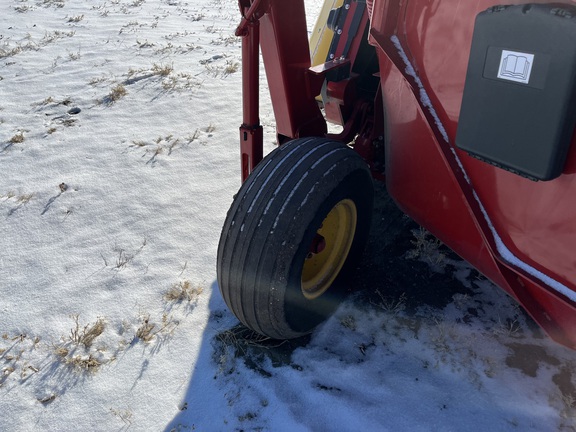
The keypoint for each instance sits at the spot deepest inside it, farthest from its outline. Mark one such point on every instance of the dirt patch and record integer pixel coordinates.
(528, 357)
(387, 267)
(563, 380)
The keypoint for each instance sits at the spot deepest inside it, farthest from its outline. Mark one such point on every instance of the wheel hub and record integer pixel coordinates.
(329, 249)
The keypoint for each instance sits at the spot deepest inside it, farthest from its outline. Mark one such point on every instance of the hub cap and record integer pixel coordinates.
(329, 249)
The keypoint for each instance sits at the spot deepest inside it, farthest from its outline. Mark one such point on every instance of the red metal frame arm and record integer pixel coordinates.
(286, 54)
(251, 136)
(279, 28)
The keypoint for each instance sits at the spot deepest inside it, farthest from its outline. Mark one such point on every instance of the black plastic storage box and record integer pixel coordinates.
(518, 108)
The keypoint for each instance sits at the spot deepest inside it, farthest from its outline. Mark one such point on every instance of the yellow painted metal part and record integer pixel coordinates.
(337, 231)
(321, 37)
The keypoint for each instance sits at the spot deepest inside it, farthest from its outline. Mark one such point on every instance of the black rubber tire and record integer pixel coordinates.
(271, 225)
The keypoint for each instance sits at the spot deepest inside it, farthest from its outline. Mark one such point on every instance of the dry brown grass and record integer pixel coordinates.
(83, 363)
(79, 362)
(75, 350)
(116, 93)
(390, 304)
(148, 331)
(24, 198)
(162, 70)
(427, 248)
(17, 138)
(231, 67)
(87, 334)
(183, 291)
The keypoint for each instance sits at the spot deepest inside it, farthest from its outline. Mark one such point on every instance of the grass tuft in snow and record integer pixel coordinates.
(87, 334)
(22, 8)
(116, 93)
(122, 258)
(83, 363)
(162, 70)
(183, 291)
(146, 330)
(75, 19)
(221, 70)
(149, 331)
(349, 322)
(231, 67)
(51, 37)
(77, 352)
(17, 138)
(19, 199)
(52, 3)
(124, 415)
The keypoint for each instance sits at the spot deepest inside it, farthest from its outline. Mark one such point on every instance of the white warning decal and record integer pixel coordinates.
(515, 66)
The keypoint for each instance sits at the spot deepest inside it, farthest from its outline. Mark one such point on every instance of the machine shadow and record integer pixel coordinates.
(199, 402)
(225, 343)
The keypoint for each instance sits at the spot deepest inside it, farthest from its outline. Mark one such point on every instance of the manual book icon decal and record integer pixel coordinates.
(515, 66)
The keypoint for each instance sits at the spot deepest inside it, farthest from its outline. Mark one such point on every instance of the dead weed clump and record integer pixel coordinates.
(52, 3)
(17, 138)
(257, 352)
(162, 145)
(183, 291)
(81, 363)
(162, 70)
(390, 304)
(75, 19)
(76, 350)
(87, 334)
(427, 248)
(148, 330)
(116, 93)
(231, 67)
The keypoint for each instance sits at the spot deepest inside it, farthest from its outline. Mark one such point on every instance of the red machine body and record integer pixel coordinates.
(518, 232)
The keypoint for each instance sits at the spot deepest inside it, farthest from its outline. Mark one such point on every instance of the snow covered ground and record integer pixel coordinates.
(118, 161)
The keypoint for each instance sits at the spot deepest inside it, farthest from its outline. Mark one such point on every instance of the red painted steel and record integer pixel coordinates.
(251, 132)
(286, 53)
(279, 28)
(536, 222)
(520, 234)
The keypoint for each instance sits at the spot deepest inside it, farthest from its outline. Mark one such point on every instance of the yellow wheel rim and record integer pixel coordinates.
(329, 249)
